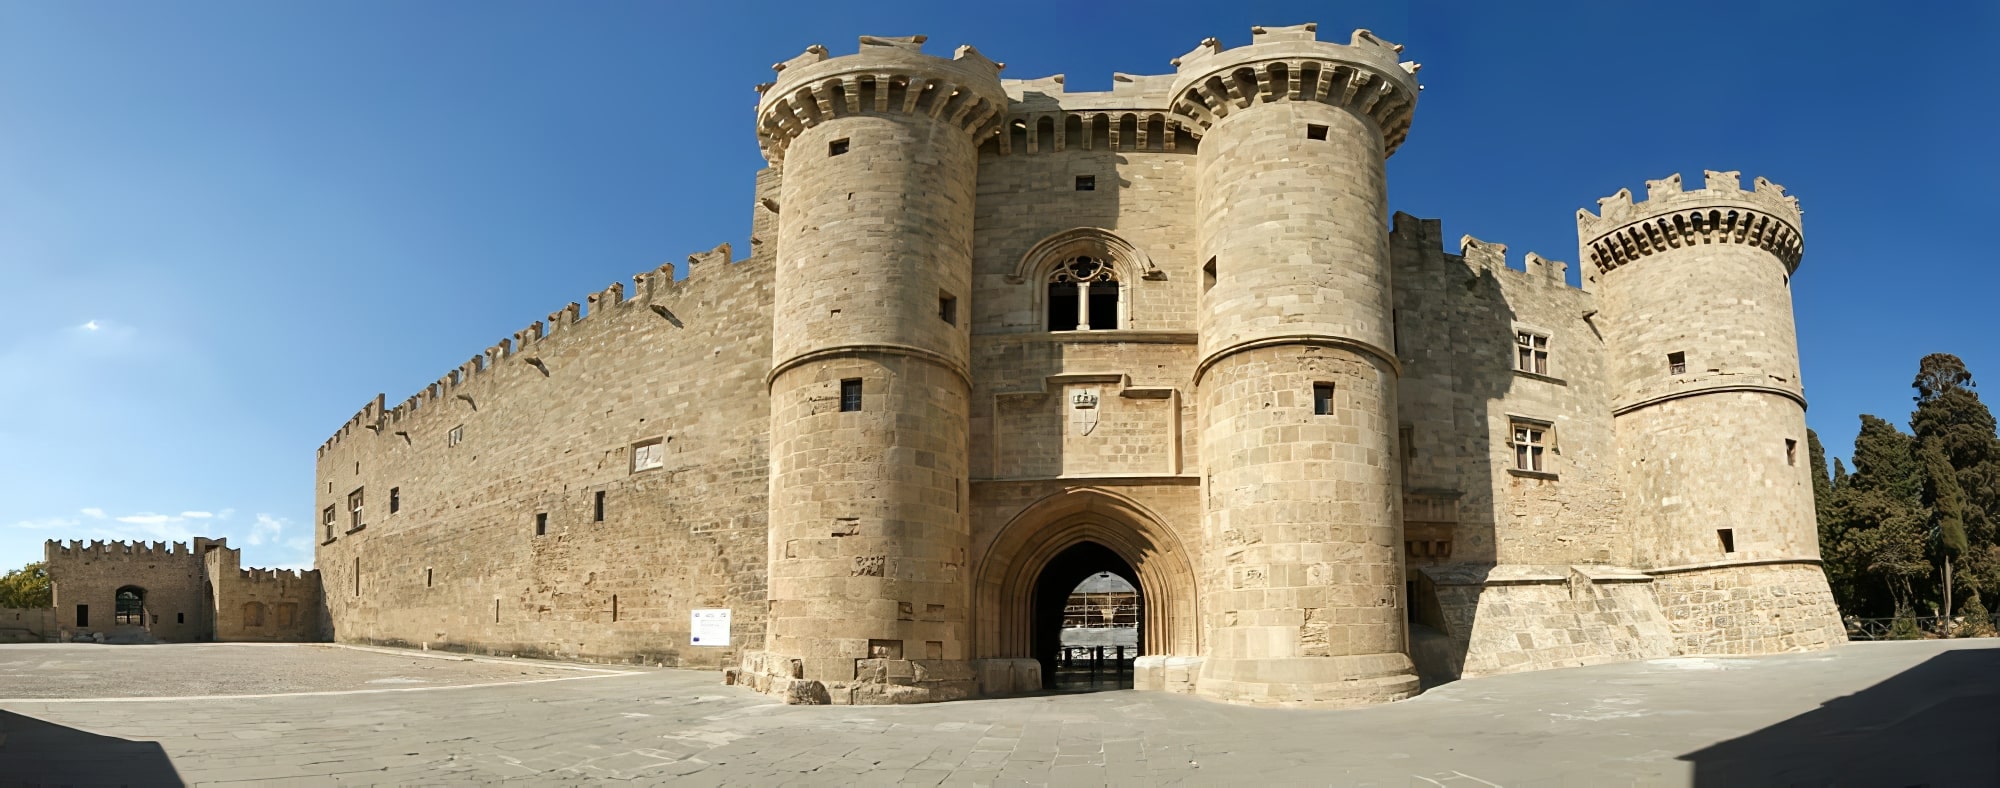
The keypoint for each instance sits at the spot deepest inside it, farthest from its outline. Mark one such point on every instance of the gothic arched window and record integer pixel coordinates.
(1083, 295)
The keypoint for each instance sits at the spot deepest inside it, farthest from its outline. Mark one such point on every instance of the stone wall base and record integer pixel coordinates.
(1513, 618)
(876, 682)
(1309, 682)
(1750, 609)
(1003, 677)
(1160, 673)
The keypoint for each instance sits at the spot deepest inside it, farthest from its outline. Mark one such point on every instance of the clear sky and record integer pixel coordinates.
(224, 227)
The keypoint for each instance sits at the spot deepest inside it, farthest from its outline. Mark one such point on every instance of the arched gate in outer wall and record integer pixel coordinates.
(1004, 595)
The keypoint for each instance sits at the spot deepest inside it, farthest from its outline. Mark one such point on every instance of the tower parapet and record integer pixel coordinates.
(1670, 218)
(1291, 63)
(888, 75)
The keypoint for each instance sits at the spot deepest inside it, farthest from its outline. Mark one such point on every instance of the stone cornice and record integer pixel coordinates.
(887, 76)
(1290, 64)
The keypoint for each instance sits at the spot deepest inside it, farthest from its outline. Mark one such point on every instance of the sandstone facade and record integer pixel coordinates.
(993, 337)
(136, 592)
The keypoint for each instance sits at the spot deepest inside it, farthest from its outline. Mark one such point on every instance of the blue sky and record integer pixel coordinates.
(224, 227)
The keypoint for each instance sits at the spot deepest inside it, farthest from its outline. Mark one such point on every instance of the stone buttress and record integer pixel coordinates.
(1302, 522)
(870, 375)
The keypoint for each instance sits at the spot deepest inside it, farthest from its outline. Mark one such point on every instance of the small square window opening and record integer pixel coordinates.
(1728, 538)
(395, 499)
(455, 436)
(948, 308)
(836, 147)
(1677, 363)
(1322, 399)
(1791, 452)
(1208, 275)
(1315, 131)
(1086, 183)
(850, 395)
(541, 523)
(597, 507)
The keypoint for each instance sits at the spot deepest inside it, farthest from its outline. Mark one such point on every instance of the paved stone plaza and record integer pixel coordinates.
(1861, 714)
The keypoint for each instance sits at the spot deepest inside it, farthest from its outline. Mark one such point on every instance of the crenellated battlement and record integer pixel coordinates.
(527, 344)
(1292, 64)
(1671, 217)
(277, 576)
(1480, 255)
(98, 550)
(886, 75)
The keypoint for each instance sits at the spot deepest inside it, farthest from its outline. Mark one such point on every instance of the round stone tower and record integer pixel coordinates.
(1297, 375)
(1694, 289)
(869, 378)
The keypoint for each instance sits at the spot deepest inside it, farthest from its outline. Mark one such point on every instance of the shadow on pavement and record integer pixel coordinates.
(35, 753)
(1933, 724)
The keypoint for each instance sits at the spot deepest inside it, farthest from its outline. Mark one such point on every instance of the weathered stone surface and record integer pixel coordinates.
(986, 322)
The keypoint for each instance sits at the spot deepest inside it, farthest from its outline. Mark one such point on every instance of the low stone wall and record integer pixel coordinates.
(1754, 609)
(31, 625)
(1514, 618)
(876, 681)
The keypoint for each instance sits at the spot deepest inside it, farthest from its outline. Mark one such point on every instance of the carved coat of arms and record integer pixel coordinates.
(1083, 410)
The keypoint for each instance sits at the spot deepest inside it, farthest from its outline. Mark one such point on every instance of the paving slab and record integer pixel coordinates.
(1801, 719)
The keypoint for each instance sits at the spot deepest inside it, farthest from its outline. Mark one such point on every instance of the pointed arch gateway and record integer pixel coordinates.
(1009, 569)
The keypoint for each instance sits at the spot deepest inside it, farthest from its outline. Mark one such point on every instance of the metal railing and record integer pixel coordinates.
(1096, 659)
(1920, 627)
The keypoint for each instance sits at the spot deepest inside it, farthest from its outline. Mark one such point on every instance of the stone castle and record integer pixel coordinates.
(994, 337)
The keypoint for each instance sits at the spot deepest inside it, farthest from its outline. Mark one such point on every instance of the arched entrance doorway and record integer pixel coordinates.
(130, 609)
(1027, 572)
(1077, 633)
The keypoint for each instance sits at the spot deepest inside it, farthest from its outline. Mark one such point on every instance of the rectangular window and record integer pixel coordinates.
(1322, 399)
(1530, 442)
(1728, 538)
(850, 395)
(395, 499)
(1677, 363)
(648, 455)
(83, 615)
(326, 518)
(541, 523)
(1791, 452)
(180, 618)
(1208, 275)
(597, 507)
(354, 510)
(836, 147)
(1315, 131)
(427, 577)
(1086, 183)
(455, 436)
(948, 308)
(357, 575)
(1531, 352)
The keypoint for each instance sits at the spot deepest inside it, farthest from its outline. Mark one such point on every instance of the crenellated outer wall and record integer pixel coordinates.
(545, 425)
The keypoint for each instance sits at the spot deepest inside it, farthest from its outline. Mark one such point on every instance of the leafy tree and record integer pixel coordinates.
(1884, 526)
(27, 587)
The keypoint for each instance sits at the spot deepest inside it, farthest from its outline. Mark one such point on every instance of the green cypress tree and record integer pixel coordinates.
(1960, 454)
(1886, 524)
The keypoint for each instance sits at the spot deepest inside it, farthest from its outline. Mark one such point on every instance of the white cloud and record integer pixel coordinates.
(94, 513)
(90, 326)
(146, 519)
(267, 529)
(197, 515)
(46, 523)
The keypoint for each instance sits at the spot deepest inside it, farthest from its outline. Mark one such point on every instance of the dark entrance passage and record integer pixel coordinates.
(131, 608)
(1086, 664)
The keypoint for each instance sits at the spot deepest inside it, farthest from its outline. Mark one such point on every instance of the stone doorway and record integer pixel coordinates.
(1085, 636)
(1026, 573)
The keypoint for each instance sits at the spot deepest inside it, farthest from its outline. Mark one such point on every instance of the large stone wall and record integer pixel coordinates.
(262, 605)
(89, 576)
(27, 625)
(546, 425)
(914, 214)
